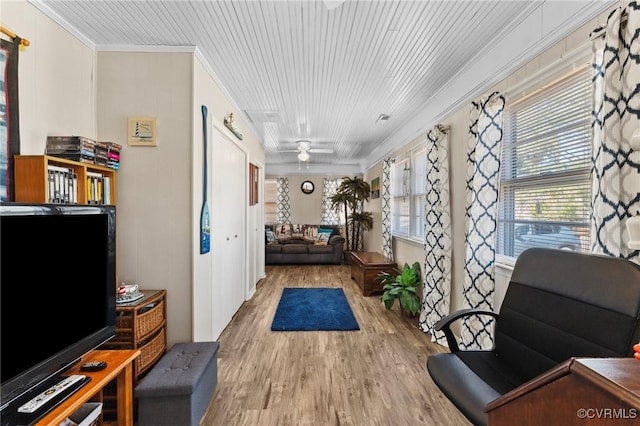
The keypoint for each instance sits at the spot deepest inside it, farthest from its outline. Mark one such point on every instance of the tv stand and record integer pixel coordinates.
(119, 367)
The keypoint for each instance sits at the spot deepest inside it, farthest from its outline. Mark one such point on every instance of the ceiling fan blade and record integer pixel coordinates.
(320, 151)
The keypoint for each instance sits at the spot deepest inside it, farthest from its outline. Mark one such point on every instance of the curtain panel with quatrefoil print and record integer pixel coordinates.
(329, 188)
(483, 168)
(387, 242)
(616, 115)
(282, 200)
(437, 264)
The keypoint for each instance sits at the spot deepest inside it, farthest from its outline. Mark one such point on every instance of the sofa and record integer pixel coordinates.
(559, 305)
(303, 247)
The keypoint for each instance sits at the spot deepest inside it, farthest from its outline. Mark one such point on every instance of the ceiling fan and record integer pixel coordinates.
(304, 149)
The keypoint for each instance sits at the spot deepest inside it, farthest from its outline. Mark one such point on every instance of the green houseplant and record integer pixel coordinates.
(403, 287)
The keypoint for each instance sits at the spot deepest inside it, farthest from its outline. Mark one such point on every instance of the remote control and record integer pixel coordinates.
(46, 396)
(93, 366)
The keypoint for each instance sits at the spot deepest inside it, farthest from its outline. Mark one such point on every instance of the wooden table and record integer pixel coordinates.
(119, 367)
(365, 267)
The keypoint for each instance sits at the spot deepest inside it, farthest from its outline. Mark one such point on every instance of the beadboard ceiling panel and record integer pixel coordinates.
(300, 70)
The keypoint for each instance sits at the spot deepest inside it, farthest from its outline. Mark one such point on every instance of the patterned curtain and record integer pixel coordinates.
(283, 206)
(329, 188)
(437, 248)
(616, 113)
(483, 166)
(9, 114)
(387, 246)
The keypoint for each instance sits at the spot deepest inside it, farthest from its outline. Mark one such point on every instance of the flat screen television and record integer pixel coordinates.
(57, 292)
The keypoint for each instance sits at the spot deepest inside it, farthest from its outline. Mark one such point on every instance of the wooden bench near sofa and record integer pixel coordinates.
(559, 305)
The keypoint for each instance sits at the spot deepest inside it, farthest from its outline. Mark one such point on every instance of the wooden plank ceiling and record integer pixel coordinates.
(302, 70)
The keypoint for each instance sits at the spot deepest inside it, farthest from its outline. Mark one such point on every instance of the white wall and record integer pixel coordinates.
(66, 87)
(56, 79)
(207, 92)
(154, 197)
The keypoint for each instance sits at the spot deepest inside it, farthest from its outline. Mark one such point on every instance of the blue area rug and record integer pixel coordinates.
(313, 309)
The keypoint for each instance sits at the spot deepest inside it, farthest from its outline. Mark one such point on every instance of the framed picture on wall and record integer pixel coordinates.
(142, 131)
(375, 188)
(253, 184)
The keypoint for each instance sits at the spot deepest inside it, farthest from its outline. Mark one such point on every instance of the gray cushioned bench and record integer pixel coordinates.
(178, 389)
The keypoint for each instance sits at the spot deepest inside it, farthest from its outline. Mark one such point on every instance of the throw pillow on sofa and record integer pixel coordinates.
(323, 238)
(271, 236)
(322, 230)
(283, 229)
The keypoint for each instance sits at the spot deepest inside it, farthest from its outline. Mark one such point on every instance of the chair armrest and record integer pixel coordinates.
(444, 324)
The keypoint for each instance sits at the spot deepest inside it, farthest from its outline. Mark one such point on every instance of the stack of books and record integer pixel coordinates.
(76, 148)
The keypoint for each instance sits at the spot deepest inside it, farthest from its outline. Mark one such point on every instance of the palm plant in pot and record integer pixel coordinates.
(350, 196)
(402, 287)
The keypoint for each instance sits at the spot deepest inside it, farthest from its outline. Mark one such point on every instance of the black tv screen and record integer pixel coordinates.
(57, 291)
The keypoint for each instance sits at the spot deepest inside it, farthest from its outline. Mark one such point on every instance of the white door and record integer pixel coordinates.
(228, 228)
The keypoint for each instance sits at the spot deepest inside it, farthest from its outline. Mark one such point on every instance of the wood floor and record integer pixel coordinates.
(374, 376)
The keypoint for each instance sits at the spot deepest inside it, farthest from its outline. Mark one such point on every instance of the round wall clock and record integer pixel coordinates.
(307, 187)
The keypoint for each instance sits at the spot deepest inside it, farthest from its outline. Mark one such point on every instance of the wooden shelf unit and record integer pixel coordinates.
(31, 177)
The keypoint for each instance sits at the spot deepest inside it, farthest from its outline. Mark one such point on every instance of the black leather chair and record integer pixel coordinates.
(559, 305)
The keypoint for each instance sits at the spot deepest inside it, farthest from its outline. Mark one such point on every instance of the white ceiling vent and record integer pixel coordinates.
(383, 118)
(263, 116)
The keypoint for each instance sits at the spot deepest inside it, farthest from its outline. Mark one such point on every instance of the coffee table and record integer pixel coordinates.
(365, 267)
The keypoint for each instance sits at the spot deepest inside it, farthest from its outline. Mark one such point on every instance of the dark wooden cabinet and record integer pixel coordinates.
(602, 391)
(365, 267)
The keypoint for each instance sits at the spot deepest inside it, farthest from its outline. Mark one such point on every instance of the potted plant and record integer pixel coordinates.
(350, 196)
(403, 287)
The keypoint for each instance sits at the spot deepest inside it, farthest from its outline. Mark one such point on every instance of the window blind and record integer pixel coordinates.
(545, 184)
(418, 192)
(401, 199)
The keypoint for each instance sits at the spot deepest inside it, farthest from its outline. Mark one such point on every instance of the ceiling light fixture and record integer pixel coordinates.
(303, 155)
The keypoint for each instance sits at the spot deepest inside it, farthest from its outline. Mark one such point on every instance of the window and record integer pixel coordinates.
(270, 201)
(545, 185)
(409, 195)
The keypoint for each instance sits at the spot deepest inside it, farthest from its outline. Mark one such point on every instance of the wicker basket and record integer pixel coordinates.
(150, 352)
(146, 322)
